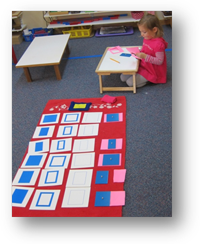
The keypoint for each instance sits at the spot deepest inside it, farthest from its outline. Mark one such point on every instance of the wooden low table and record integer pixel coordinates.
(125, 65)
(44, 51)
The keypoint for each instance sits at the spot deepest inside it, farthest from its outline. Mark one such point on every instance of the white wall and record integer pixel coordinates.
(33, 19)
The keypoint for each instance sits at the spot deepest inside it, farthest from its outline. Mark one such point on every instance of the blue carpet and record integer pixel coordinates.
(148, 182)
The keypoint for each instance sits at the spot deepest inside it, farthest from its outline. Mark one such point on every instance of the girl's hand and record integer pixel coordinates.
(141, 55)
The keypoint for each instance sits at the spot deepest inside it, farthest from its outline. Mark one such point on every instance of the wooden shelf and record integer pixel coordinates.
(16, 14)
(85, 14)
(17, 30)
(166, 16)
(17, 21)
(100, 22)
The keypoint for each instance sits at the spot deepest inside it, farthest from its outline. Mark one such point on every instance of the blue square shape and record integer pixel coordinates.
(111, 143)
(125, 54)
(50, 118)
(101, 177)
(102, 199)
(56, 165)
(61, 145)
(50, 200)
(44, 131)
(47, 175)
(110, 159)
(26, 177)
(112, 117)
(73, 120)
(65, 130)
(38, 146)
(33, 160)
(19, 195)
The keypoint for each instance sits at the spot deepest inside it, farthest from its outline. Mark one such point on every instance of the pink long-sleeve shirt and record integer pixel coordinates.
(154, 66)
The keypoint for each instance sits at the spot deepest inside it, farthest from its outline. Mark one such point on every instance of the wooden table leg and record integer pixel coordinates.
(134, 84)
(100, 84)
(57, 71)
(27, 74)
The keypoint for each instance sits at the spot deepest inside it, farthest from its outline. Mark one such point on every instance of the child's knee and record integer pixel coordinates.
(124, 77)
(129, 82)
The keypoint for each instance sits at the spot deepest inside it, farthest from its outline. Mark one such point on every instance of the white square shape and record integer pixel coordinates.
(69, 118)
(43, 131)
(38, 146)
(92, 117)
(51, 177)
(85, 145)
(21, 196)
(49, 119)
(83, 160)
(58, 161)
(45, 200)
(88, 130)
(34, 160)
(76, 198)
(79, 178)
(67, 130)
(26, 177)
(61, 145)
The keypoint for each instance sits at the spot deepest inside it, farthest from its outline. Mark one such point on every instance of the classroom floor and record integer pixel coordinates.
(148, 184)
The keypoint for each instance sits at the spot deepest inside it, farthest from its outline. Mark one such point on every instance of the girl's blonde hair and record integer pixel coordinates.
(150, 21)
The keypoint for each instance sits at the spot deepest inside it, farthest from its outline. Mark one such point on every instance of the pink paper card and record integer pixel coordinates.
(117, 198)
(119, 143)
(113, 117)
(119, 175)
(100, 162)
(115, 50)
(101, 159)
(104, 144)
(120, 116)
(133, 50)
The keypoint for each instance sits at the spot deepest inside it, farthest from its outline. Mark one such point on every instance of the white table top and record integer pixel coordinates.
(126, 63)
(44, 50)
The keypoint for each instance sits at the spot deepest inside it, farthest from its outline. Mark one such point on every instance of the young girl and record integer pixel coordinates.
(153, 64)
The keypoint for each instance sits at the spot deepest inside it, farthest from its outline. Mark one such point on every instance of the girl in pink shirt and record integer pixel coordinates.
(153, 63)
